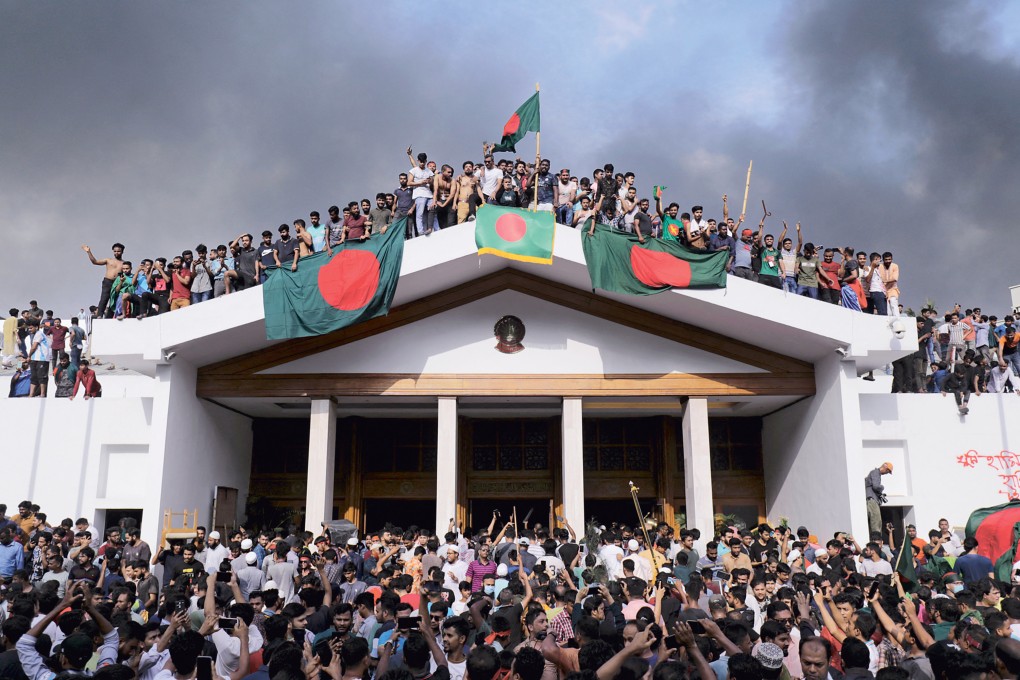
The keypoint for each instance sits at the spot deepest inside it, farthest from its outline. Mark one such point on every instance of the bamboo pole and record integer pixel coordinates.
(538, 157)
(747, 187)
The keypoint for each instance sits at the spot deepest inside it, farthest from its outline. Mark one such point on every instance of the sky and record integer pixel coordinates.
(883, 126)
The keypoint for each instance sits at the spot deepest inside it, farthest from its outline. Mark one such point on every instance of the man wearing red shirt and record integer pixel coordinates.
(828, 289)
(354, 224)
(180, 284)
(57, 335)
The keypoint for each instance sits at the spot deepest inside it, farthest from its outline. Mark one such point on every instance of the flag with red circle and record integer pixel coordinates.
(620, 263)
(330, 292)
(516, 234)
(525, 119)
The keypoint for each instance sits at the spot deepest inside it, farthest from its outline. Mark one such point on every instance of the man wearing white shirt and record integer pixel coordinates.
(999, 375)
(454, 567)
(871, 562)
(228, 643)
(953, 545)
(489, 177)
(642, 567)
(821, 561)
(215, 552)
(698, 225)
(612, 556)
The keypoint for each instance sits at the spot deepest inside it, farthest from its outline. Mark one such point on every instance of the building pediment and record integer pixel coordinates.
(576, 342)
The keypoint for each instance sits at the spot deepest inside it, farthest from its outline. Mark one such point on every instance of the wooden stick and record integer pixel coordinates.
(517, 536)
(538, 157)
(747, 187)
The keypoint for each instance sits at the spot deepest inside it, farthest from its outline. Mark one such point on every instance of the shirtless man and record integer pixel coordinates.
(584, 214)
(464, 187)
(113, 268)
(442, 189)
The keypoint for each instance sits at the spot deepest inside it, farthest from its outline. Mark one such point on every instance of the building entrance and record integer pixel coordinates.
(619, 510)
(399, 512)
(480, 513)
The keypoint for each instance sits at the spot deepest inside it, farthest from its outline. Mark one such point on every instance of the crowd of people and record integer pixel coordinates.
(39, 346)
(431, 198)
(966, 354)
(500, 603)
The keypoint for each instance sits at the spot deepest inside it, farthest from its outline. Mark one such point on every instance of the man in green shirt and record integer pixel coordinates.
(672, 228)
(768, 273)
(808, 272)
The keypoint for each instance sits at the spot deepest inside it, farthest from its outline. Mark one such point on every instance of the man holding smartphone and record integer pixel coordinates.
(231, 634)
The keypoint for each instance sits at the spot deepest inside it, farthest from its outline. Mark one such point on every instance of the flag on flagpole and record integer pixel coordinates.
(524, 120)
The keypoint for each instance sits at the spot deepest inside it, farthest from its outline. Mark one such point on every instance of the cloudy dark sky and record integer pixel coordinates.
(879, 125)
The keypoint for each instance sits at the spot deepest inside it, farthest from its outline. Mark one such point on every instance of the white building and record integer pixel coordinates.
(745, 401)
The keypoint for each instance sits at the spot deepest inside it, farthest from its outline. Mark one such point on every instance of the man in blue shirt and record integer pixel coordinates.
(12, 555)
(971, 566)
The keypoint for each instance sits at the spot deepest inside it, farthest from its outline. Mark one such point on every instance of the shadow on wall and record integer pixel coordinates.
(879, 408)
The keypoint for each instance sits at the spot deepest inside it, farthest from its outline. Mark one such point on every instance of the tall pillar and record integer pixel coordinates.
(698, 469)
(447, 470)
(573, 464)
(321, 464)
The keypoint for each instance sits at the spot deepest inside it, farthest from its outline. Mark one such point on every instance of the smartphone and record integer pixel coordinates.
(408, 622)
(873, 590)
(672, 643)
(223, 577)
(182, 606)
(227, 624)
(696, 627)
(203, 669)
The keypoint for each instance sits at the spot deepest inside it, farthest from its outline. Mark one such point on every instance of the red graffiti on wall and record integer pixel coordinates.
(1005, 463)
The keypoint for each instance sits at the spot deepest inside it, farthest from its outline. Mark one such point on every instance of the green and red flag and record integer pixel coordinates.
(516, 234)
(997, 530)
(620, 263)
(327, 293)
(524, 120)
(904, 566)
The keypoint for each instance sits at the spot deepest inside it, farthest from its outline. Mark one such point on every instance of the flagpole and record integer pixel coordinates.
(747, 187)
(538, 156)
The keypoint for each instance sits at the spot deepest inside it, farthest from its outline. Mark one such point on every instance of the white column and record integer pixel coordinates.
(321, 465)
(698, 469)
(573, 464)
(446, 464)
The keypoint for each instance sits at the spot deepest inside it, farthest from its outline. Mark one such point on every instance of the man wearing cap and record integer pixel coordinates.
(240, 561)
(250, 578)
(874, 492)
(215, 552)
(770, 655)
(740, 260)
(821, 562)
(454, 567)
(642, 567)
(351, 555)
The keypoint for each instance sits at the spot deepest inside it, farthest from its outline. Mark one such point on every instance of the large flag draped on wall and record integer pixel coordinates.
(997, 530)
(516, 234)
(620, 263)
(525, 119)
(328, 293)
